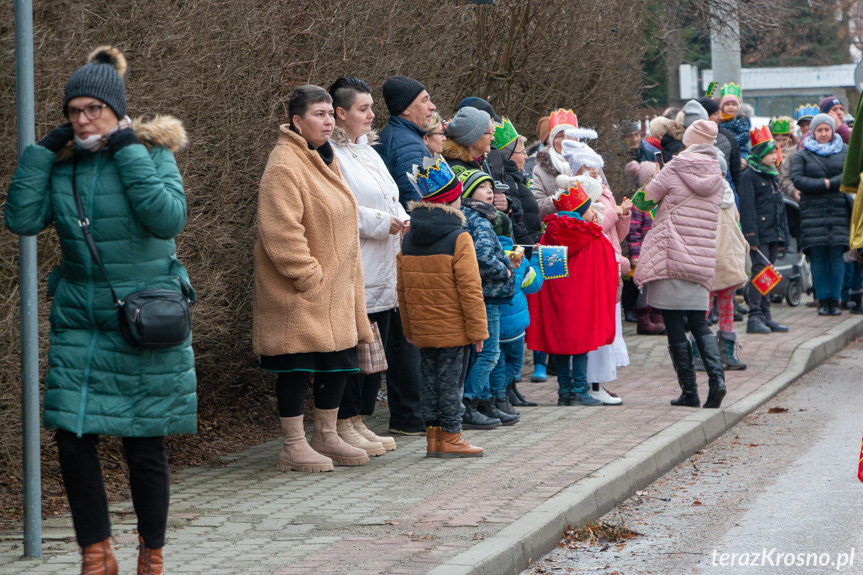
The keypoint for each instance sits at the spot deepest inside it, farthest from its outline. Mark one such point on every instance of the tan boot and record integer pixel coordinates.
(349, 434)
(388, 442)
(455, 445)
(149, 560)
(98, 559)
(326, 441)
(433, 441)
(296, 454)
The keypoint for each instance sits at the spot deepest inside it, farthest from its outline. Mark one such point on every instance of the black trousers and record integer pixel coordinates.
(759, 305)
(292, 387)
(678, 322)
(361, 389)
(403, 379)
(149, 480)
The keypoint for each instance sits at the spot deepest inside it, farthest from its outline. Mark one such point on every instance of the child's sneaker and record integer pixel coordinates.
(584, 399)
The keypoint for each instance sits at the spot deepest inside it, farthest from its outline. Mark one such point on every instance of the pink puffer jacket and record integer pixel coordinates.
(682, 242)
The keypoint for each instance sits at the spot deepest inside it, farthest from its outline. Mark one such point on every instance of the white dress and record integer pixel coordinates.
(602, 363)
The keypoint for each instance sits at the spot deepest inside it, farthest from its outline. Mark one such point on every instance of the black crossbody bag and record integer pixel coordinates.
(149, 319)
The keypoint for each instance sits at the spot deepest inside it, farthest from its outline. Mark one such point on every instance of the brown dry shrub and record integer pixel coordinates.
(226, 68)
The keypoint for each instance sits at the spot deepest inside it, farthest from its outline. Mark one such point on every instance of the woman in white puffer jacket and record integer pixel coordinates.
(382, 220)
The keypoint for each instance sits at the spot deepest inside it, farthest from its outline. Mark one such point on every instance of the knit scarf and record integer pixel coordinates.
(758, 153)
(727, 118)
(828, 149)
(96, 142)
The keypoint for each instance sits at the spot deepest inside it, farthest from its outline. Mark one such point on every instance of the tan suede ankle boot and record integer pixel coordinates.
(149, 560)
(455, 445)
(388, 442)
(433, 441)
(326, 441)
(349, 434)
(98, 559)
(296, 453)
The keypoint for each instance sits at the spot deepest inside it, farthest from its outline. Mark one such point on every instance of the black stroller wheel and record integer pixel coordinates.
(793, 293)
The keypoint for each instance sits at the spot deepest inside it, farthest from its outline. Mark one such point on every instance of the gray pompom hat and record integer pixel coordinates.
(101, 78)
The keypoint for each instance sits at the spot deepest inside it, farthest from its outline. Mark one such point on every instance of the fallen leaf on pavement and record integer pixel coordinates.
(778, 410)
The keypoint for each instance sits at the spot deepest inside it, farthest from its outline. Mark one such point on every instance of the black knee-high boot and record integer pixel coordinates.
(709, 348)
(681, 357)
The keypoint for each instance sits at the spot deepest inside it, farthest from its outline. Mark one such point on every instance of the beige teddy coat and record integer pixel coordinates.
(309, 291)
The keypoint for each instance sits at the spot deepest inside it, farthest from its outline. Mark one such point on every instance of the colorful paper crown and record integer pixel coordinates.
(504, 134)
(435, 180)
(731, 89)
(760, 135)
(781, 125)
(561, 117)
(572, 199)
(806, 112)
(711, 88)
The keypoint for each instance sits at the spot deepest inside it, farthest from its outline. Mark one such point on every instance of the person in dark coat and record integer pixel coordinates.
(495, 165)
(401, 146)
(764, 223)
(400, 143)
(725, 141)
(824, 210)
(511, 146)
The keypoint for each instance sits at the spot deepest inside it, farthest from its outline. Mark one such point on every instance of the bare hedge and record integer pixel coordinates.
(226, 68)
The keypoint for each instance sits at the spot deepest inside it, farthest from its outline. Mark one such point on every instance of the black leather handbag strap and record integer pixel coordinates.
(84, 222)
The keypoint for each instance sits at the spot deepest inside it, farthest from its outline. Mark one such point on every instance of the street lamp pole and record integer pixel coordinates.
(24, 101)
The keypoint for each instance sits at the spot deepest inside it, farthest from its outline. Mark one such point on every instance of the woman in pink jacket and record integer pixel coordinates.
(678, 258)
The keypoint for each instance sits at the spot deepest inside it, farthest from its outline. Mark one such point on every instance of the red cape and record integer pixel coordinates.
(575, 314)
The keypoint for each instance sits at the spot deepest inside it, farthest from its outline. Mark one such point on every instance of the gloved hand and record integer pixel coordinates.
(57, 138)
(120, 139)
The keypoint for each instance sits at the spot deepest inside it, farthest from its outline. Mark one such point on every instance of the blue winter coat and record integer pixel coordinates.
(497, 288)
(401, 145)
(514, 317)
(97, 383)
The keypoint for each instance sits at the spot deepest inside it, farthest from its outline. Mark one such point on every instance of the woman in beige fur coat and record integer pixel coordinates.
(309, 307)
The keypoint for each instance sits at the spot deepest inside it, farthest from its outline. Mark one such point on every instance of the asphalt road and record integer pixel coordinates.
(777, 494)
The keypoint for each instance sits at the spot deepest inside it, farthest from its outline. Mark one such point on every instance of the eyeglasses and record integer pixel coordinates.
(435, 133)
(489, 133)
(523, 152)
(93, 112)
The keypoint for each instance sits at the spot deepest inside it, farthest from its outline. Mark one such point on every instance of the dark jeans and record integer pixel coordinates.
(292, 387)
(677, 321)
(828, 270)
(443, 372)
(361, 389)
(403, 379)
(572, 373)
(85, 488)
(759, 305)
(853, 280)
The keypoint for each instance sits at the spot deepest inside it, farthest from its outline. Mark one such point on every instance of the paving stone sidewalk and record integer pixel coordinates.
(402, 513)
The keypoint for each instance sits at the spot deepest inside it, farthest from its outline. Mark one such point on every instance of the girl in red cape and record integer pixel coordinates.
(574, 315)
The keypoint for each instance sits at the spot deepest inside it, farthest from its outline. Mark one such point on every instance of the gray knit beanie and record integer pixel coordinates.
(100, 78)
(468, 126)
(693, 111)
(400, 92)
(822, 119)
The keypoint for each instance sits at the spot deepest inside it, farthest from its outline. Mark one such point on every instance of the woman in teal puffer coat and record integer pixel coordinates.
(97, 384)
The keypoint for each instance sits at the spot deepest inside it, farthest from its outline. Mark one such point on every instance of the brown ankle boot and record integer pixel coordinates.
(388, 442)
(349, 434)
(326, 441)
(98, 559)
(433, 441)
(296, 454)
(645, 325)
(149, 560)
(455, 445)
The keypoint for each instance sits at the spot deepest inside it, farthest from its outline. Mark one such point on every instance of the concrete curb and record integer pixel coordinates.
(540, 530)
